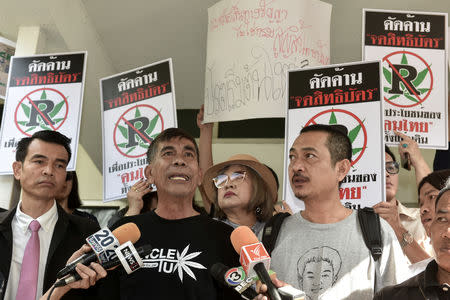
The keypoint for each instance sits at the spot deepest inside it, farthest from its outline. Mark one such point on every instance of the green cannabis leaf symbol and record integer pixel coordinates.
(416, 82)
(27, 109)
(352, 134)
(141, 143)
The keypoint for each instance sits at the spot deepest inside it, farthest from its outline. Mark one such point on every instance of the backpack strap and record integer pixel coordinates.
(369, 222)
(271, 230)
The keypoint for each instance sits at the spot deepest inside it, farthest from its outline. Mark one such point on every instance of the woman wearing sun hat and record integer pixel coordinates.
(243, 190)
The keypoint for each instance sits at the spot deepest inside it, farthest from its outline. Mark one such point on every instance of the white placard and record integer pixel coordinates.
(349, 95)
(45, 92)
(137, 105)
(413, 49)
(251, 44)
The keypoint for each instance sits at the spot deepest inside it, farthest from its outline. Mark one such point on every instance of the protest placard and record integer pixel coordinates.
(413, 49)
(251, 44)
(136, 106)
(348, 95)
(45, 92)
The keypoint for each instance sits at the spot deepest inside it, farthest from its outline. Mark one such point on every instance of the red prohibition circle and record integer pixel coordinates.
(120, 118)
(26, 96)
(353, 116)
(431, 75)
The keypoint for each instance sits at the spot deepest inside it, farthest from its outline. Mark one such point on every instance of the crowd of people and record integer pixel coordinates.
(320, 250)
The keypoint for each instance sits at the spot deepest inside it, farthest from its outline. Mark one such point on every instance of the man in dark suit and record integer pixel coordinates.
(40, 166)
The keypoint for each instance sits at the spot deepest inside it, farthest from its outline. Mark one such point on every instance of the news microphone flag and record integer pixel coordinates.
(251, 255)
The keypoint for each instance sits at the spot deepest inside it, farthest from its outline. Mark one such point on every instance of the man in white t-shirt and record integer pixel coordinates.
(321, 250)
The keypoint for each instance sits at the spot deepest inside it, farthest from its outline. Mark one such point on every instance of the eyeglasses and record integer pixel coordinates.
(221, 180)
(392, 167)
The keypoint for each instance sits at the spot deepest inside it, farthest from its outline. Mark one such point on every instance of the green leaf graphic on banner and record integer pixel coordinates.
(23, 123)
(56, 110)
(394, 97)
(26, 110)
(354, 133)
(43, 95)
(332, 119)
(423, 91)
(386, 89)
(143, 145)
(122, 145)
(387, 75)
(152, 125)
(137, 113)
(123, 131)
(404, 60)
(131, 149)
(58, 120)
(408, 96)
(356, 150)
(154, 136)
(420, 77)
(31, 128)
(44, 127)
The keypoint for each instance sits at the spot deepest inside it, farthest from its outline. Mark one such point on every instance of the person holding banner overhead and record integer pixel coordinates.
(404, 221)
(185, 243)
(38, 236)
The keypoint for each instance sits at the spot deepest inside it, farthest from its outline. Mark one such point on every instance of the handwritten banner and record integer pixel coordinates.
(413, 49)
(45, 92)
(251, 44)
(137, 105)
(349, 95)
(7, 49)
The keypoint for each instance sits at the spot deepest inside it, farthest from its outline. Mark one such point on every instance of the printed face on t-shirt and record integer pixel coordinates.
(317, 277)
(317, 270)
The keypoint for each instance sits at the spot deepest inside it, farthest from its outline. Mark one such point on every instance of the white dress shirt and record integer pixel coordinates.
(21, 234)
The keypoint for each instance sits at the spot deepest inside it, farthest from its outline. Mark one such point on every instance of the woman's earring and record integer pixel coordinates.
(258, 210)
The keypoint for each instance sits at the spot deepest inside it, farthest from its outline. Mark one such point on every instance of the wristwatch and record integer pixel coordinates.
(407, 239)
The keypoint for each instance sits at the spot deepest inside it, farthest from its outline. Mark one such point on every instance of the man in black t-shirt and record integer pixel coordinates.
(185, 243)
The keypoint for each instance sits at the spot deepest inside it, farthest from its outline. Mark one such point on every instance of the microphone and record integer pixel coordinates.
(253, 257)
(103, 242)
(234, 279)
(129, 262)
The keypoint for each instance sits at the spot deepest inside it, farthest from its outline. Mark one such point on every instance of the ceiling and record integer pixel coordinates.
(122, 35)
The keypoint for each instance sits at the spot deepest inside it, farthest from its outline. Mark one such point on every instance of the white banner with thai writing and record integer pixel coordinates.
(137, 105)
(7, 49)
(414, 53)
(251, 44)
(348, 95)
(45, 92)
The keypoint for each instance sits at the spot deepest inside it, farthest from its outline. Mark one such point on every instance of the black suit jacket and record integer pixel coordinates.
(422, 286)
(68, 236)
